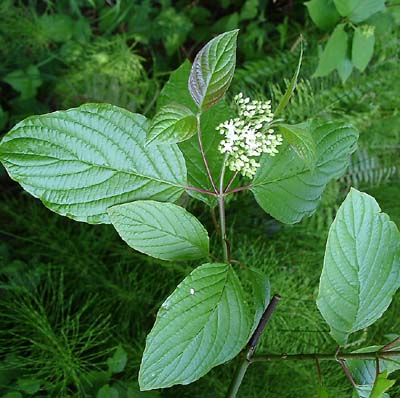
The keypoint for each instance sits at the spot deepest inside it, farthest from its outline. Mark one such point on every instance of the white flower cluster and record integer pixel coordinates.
(248, 136)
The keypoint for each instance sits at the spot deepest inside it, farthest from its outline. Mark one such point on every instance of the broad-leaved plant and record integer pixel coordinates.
(102, 164)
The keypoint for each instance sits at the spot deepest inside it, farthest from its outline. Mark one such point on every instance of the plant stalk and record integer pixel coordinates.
(231, 181)
(205, 191)
(325, 357)
(248, 352)
(244, 188)
(203, 154)
(222, 217)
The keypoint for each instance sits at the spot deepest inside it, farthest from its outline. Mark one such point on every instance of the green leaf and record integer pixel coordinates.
(204, 323)
(323, 13)
(81, 161)
(161, 230)
(197, 174)
(173, 27)
(365, 9)
(249, 10)
(345, 69)
(25, 81)
(133, 391)
(345, 7)
(173, 123)
(362, 391)
(287, 189)
(363, 47)
(107, 392)
(359, 10)
(29, 386)
(57, 27)
(213, 69)
(334, 52)
(3, 118)
(292, 85)
(361, 267)
(13, 394)
(176, 91)
(95, 379)
(257, 290)
(322, 391)
(300, 138)
(381, 385)
(117, 362)
(364, 370)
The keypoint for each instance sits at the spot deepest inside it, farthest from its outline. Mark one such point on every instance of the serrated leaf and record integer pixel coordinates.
(172, 124)
(300, 138)
(204, 323)
(213, 69)
(287, 189)
(363, 48)
(345, 69)
(323, 13)
(292, 85)
(361, 266)
(334, 52)
(81, 161)
(117, 362)
(161, 230)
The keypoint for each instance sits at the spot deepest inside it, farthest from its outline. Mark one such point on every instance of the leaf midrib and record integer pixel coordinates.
(162, 230)
(210, 312)
(134, 173)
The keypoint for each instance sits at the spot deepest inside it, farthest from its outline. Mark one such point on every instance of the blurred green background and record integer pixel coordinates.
(75, 301)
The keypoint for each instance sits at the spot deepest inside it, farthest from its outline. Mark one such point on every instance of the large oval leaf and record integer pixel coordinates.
(81, 161)
(205, 322)
(361, 266)
(161, 230)
(213, 69)
(285, 187)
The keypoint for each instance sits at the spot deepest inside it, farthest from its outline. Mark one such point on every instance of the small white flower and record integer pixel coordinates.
(248, 136)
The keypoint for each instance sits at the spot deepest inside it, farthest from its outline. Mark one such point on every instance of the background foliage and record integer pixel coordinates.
(75, 301)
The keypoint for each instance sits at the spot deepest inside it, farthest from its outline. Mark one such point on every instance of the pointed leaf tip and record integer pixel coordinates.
(361, 269)
(213, 69)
